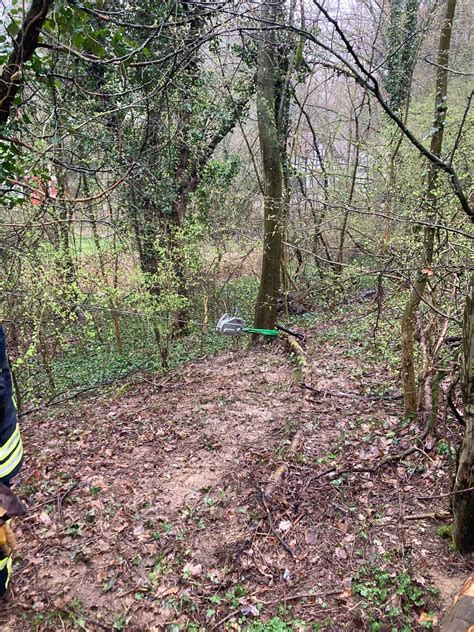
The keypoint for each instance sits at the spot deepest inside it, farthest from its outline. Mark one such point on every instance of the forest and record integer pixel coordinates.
(237, 315)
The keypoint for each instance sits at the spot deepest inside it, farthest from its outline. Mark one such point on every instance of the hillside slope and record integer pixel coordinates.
(146, 506)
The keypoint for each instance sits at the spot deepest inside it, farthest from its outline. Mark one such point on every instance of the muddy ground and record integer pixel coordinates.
(147, 513)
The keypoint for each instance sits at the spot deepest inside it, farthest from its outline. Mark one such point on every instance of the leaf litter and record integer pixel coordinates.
(146, 513)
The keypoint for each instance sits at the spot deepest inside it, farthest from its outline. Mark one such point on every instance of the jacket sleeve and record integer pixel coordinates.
(3, 392)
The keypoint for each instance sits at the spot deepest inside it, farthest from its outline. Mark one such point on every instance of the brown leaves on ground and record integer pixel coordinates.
(146, 511)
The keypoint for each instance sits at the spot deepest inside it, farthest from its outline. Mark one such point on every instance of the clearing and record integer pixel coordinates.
(146, 507)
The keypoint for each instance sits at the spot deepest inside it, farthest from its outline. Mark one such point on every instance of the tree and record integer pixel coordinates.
(24, 45)
(419, 284)
(402, 43)
(184, 124)
(270, 147)
(463, 498)
(351, 63)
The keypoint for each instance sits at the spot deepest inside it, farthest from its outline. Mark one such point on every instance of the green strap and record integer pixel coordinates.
(263, 332)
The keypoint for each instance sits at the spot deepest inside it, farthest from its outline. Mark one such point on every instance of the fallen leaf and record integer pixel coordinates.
(340, 553)
(284, 525)
(165, 591)
(192, 570)
(45, 519)
(311, 536)
(345, 595)
(426, 617)
(249, 609)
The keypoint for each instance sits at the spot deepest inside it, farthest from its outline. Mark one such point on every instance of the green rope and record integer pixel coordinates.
(263, 332)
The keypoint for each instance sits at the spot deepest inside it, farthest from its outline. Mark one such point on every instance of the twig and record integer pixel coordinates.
(449, 399)
(457, 491)
(302, 596)
(422, 516)
(424, 453)
(226, 618)
(60, 500)
(272, 528)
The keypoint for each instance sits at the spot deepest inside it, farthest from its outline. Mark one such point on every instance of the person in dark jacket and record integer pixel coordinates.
(11, 454)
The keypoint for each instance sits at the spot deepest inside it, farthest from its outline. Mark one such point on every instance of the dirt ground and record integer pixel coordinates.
(146, 509)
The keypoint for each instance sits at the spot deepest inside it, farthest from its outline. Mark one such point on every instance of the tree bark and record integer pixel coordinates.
(24, 46)
(266, 307)
(463, 502)
(419, 285)
(460, 616)
(402, 44)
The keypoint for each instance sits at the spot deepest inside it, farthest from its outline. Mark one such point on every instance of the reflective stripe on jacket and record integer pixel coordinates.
(11, 448)
(5, 573)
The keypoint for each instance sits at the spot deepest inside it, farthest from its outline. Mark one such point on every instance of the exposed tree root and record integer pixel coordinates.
(282, 470)
(301, 357)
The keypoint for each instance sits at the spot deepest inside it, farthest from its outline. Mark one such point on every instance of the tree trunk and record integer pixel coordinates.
(463, 502)
(266, 307)
(460, 616)
(419, 285)
(24, 46)
(402, 43)
(353, 181)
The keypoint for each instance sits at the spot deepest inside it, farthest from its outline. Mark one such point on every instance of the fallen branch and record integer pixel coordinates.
(388, 459)
(305, 595)
(321, 393)
(282, 470)
(424, 516)
(301, 356)
(66, 396)
(449, 399)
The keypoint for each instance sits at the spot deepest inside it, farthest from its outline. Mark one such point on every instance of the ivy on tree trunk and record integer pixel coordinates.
(266, 307)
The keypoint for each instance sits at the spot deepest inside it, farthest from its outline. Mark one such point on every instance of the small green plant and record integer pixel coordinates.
(396, 594)
(75, 530)
(446, 532)
(279, 624)
(160, 567)
(444, 448)
(235, 594)
(119, 621)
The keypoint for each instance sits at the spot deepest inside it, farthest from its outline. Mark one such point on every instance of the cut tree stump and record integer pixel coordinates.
(460, 617)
